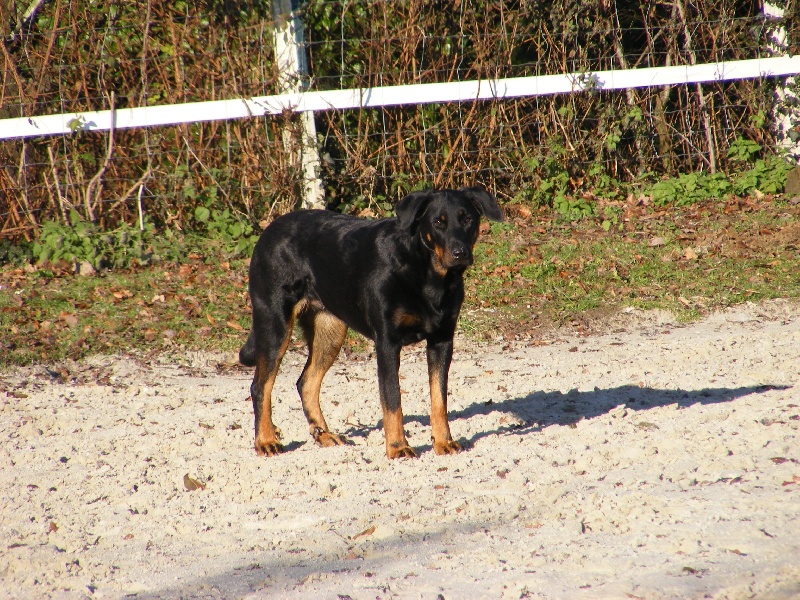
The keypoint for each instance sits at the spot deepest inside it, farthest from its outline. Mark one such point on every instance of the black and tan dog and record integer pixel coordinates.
(396, 281)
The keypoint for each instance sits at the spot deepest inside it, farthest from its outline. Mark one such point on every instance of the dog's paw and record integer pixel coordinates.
(326, 439)
(400, 451)
(446, 447)
(269, 448)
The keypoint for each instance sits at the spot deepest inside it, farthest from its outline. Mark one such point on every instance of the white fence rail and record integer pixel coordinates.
(462, 91)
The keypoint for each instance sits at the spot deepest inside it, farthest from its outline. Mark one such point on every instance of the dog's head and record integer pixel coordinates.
(446, 222)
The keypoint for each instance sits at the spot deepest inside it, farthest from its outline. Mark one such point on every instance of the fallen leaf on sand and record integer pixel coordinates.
(369, 531)
(192, 484)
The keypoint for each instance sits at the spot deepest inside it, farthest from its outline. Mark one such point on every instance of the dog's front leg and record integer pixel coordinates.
(388, 355)
(439, 356)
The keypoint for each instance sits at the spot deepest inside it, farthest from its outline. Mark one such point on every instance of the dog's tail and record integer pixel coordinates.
(247, 355)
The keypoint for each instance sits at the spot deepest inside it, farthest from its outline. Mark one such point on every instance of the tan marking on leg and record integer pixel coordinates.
(396, 443)
(325, 335)
(267, 438)
(443, 442)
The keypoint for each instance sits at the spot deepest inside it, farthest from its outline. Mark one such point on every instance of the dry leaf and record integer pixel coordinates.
(691, 570)
(234, 325)
(211, 319)
(192, 484)
(369, 531)
(70, 319)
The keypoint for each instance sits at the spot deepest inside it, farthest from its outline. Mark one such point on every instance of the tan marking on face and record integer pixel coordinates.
(439, 264)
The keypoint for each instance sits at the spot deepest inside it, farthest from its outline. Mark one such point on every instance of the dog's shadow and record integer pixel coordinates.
(538, 410)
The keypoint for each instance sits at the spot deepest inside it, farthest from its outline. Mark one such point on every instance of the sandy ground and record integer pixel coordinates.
(654, 461)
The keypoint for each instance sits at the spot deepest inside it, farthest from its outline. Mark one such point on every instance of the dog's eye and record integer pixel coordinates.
(467, 221)
(440, 223)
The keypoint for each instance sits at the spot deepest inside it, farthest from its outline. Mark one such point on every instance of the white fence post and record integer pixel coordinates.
(785, 111)
(292, 69)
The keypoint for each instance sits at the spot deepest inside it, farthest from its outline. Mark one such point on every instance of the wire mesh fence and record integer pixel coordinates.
(74, 55)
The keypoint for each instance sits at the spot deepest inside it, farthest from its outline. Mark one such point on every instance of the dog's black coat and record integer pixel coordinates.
(396, 281)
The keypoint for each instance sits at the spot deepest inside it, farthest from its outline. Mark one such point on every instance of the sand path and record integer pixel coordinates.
(654, 461)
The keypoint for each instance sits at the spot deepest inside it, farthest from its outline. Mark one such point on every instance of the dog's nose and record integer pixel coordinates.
(460, 252)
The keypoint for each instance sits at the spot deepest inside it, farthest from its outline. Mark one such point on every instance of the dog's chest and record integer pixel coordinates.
(426, 313)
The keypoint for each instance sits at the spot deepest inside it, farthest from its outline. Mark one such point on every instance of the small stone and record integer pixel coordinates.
(85, 269)
(793, 182)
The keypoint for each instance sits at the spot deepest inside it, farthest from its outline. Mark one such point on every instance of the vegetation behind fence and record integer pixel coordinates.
(565, 151)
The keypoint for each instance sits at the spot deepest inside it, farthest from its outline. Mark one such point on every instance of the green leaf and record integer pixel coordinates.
(201, 213)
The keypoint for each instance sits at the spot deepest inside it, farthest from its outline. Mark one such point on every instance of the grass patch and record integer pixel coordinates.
(532, 272)
(52, 314)
(688, 261)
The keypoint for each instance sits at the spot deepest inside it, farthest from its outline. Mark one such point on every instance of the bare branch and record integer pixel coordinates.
(88, 200)
(27, 17)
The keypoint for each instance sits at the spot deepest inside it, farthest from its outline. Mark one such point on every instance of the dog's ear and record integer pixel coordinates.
(484, 202)
(410, 208)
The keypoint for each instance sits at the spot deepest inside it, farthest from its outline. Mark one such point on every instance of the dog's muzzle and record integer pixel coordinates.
(461, 256)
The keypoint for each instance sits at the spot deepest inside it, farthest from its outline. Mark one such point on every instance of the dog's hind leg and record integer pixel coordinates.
(271, 340)
(325, 335)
